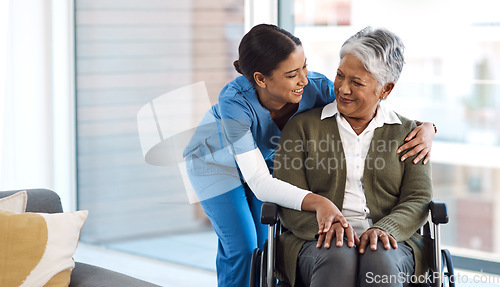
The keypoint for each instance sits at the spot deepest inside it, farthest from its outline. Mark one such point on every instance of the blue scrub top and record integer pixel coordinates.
(239, 120)
(249, 125)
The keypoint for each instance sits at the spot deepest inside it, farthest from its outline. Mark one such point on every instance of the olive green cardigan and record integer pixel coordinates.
(310, 155)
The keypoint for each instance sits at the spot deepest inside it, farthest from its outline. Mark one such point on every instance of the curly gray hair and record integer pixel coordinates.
(380, 51)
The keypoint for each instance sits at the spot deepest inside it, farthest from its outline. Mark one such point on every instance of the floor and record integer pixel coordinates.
(196, 250)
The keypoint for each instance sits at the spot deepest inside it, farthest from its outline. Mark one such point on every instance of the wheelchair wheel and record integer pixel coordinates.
(449, 274)
(255, 267)
(258, 268)
(263, 267)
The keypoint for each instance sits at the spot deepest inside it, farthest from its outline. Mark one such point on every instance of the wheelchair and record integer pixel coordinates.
(263, 261)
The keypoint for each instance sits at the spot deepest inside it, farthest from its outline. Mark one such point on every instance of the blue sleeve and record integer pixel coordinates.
(328, 90)
(322, 89)
(236, 120)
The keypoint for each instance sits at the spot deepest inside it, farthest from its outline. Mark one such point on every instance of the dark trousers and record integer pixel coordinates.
(344, 266)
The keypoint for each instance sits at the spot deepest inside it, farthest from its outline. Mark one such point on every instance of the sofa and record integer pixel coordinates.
(83, 275)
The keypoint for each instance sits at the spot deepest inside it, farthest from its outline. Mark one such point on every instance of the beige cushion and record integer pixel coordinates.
(36, 249)
(15, 203)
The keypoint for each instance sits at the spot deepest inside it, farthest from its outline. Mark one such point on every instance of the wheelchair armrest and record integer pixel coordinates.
(269, 213)
(439, 212)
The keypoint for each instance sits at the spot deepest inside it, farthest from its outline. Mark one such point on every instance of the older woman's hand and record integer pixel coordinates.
(372, 236)
(339, 231)
(419, 140)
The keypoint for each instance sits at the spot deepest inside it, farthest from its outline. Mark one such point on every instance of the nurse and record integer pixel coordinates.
(230, 156)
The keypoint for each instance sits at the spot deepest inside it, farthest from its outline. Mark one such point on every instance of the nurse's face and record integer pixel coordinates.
(286, 83)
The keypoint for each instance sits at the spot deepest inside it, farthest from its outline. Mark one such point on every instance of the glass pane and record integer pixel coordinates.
(129, 53)
(452, 78)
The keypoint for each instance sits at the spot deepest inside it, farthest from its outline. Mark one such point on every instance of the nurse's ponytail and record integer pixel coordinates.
(236, 65)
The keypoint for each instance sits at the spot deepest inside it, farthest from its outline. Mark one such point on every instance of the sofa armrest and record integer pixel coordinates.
(39, 200)
(85, 275)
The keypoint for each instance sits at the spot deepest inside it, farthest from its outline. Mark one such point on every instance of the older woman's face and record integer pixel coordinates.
(356, 91)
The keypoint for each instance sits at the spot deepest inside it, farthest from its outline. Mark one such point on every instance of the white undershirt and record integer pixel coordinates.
(355, 208)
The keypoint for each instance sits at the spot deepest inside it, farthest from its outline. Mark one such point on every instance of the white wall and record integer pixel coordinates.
(37, 120)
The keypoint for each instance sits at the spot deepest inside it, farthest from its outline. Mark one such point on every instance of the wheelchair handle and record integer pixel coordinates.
(439, 213)
(269, 213)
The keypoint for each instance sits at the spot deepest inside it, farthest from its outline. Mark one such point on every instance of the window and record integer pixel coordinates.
(452, 78)
(127, 54)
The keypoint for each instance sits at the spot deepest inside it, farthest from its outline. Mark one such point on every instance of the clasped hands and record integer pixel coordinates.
(334, 226)
(339, 232)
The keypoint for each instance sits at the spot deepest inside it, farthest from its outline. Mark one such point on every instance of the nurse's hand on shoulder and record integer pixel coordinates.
(419, 141)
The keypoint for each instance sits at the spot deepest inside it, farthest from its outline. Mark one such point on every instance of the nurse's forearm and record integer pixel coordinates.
(254, 169)
(312, 201)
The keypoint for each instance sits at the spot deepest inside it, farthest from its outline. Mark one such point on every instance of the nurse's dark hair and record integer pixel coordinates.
(263, 48)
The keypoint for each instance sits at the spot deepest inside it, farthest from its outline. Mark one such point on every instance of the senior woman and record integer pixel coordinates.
(345, 151)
